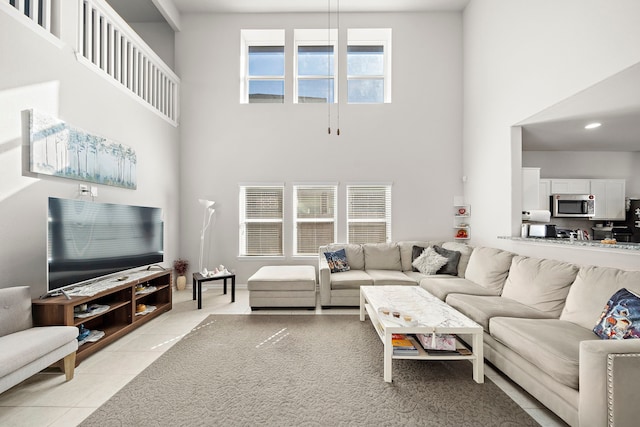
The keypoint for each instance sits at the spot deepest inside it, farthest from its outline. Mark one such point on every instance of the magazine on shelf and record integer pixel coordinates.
(402, 345)
(91, 336)
(146, 290)
(91, 310)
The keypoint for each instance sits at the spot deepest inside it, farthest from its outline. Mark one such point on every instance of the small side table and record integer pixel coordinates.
(199, 278)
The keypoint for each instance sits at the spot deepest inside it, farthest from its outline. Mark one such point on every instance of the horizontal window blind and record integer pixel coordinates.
(261, 213)
(315, 218)
(369, 213)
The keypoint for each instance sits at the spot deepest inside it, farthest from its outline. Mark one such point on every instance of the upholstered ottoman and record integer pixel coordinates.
(283, 286)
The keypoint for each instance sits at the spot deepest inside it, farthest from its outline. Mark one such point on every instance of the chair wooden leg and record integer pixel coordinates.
(69, 365)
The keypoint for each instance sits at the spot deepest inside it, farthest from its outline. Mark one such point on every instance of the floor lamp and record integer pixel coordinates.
(206, 220)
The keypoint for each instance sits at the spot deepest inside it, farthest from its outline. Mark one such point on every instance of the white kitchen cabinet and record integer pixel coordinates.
(530, 189)
(570, 186)
(544, 192)
(610, 201)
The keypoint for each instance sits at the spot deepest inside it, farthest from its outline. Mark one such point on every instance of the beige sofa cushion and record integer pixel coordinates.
(406, 251)
(390, 277)
(465, 253)
(382, 256)
(550, 344)
(26, 346)
(539, 283)
(482, 308)
(351, 279)
(355, 254)
(440, 286)
(488, 267)
(15, 309)
(592, 289)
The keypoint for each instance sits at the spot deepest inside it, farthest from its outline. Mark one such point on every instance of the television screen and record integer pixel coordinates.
(87, 240)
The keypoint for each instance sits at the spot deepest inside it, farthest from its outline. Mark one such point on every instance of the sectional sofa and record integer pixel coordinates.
(538, 317)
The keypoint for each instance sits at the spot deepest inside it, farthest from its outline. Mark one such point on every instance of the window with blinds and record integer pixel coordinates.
(315, 217)
(261, 214)
(369, 213)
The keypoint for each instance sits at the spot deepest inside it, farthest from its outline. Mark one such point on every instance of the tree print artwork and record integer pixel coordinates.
(59, 149)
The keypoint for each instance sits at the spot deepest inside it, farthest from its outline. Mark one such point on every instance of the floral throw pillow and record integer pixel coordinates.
(429, 262)
(337, 261)
(620, 318)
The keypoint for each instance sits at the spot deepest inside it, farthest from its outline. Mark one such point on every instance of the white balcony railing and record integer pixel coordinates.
(108, 42)
(39, 11)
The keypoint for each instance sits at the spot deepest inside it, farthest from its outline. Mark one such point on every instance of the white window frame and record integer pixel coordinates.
(329, 187)
(372, 37)
(243, 220)
(382, 187)
(259, 38)
(315, 37)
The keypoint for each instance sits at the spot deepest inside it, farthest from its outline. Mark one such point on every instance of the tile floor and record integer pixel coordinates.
(47, 400)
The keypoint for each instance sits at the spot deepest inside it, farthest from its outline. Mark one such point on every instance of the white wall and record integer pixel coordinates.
(521, 57)
(41, 75)
(588, 164)
(160, 37)
(414, 142)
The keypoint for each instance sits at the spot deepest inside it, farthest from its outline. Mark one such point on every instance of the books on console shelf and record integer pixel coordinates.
(402, 346)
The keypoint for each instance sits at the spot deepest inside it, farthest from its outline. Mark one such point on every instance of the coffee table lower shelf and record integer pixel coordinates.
(385, 333)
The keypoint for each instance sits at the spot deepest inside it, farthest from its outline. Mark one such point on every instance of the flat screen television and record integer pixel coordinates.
(87, 240)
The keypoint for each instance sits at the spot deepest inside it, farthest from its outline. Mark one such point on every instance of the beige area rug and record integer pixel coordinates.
(300, 370)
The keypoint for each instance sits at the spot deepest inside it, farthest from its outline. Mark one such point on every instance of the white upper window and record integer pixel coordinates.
(262, 66)
(369, 65)
(261, 216)
(315, 66)
(315, 216)
(369, 213)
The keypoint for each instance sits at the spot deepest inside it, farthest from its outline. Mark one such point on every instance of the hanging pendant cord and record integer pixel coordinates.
(328, 66)
(337, 58)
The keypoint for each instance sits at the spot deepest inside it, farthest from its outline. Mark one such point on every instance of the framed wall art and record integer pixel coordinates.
(59, 149)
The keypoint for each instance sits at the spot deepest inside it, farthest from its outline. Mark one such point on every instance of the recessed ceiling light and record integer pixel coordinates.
(593, 125)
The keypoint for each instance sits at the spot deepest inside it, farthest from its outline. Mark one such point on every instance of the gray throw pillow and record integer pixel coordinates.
(453, 258)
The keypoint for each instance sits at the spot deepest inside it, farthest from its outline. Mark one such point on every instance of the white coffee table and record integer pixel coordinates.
(429, 315)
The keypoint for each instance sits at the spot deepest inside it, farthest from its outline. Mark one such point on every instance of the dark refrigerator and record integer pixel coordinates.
(633, 220)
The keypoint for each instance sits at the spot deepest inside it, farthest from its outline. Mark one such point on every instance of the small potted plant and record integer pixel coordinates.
(180, 266)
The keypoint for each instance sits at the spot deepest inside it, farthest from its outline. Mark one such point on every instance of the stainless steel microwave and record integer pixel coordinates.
(573, 205)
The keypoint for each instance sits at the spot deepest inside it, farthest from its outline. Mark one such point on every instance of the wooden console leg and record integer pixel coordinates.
(69, 365)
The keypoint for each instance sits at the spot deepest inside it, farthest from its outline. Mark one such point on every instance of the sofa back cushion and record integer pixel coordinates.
(355, 254)
(465, 253)
(488, 267)
(542, 284)
(592, 289)
(406, 250)
(15, 310)
(382, 256)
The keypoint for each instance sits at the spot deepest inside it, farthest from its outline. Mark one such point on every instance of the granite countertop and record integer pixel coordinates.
(583, 243)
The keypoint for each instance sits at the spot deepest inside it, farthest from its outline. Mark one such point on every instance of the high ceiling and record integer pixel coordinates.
(279, 6)
(613, 102)
(146, 11)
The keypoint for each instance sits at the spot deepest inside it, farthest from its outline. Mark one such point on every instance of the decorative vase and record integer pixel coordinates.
(181, 282)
